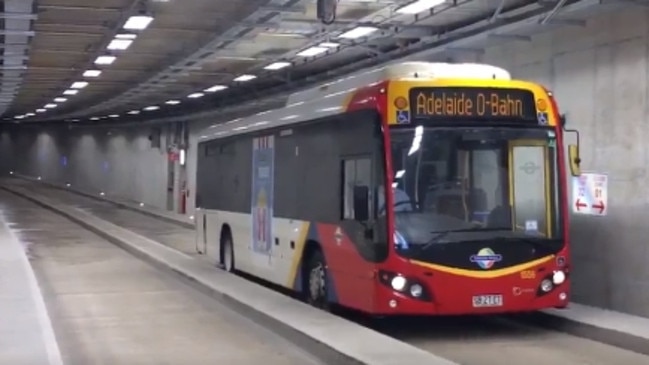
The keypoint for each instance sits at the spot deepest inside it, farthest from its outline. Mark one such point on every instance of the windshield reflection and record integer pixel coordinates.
(473, 184)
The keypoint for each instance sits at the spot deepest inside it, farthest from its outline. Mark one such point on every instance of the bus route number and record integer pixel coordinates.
(528, 274)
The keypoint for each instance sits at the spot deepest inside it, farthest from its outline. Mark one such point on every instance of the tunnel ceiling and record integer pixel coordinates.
(81, 60)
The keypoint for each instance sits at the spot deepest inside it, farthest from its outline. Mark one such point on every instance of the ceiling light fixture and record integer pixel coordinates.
(70, 92)
(41, 110)
(79, 85)
(92, 73)
(119, 44)
(419, 6)
(50, 106)
(126, 36)
(105, 60)
(195, 95)
(60, 100)
(114, 116)
(151, 108)
(313, 51)
(358, 32)
(244, 78)
(277, 66)
(329, 45)
(172, 102)
(134, 112)
(138, 22)
(215, 88)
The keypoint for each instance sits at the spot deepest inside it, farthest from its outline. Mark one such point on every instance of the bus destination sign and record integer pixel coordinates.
(472, 103)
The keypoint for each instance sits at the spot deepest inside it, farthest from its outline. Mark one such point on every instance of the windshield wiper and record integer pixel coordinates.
(539, 243)
(441, 234)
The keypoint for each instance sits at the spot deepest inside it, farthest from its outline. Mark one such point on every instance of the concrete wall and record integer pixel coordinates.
(599, 74)
(117, 162)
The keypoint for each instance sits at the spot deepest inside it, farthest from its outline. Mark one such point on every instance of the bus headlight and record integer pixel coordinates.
(398, 283)
(416, 290)
(546, 285)
(558, 277)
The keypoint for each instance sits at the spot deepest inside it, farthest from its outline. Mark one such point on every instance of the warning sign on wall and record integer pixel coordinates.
(590, 194)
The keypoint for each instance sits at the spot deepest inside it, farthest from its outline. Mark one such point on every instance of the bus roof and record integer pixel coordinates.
(329, 98)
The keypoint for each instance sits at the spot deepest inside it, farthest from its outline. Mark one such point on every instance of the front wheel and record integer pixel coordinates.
(228, 254)
(316, 291)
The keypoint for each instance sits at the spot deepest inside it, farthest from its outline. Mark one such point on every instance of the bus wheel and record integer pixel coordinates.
(228, 254)
(317, 283)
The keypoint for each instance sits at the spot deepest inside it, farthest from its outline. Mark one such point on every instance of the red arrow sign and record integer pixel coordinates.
(599, 206)
(580, 205)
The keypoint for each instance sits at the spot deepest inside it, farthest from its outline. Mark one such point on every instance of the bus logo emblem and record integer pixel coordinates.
(486, 258)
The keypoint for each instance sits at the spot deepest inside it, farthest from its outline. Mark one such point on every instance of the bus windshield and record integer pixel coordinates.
(460, 184)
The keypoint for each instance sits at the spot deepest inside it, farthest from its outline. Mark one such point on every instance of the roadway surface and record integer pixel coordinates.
(108, 307)
(468, 340)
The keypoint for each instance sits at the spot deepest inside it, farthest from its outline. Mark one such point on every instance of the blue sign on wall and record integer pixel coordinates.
(263, 154)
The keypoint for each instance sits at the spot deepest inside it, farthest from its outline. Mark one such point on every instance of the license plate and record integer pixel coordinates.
(482, 301)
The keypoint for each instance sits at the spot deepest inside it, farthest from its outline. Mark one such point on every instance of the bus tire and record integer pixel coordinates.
(227, 253)
(316, 281)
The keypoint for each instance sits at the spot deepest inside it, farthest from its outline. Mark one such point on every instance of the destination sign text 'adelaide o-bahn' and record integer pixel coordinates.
(471, 103)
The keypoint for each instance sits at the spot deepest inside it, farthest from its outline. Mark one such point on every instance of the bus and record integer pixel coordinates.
(412, 189)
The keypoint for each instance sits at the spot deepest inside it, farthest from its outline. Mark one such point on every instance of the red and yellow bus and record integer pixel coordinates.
(474, 219)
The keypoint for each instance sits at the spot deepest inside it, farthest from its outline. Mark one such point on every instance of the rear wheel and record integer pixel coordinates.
(316, 283)
(227, 259)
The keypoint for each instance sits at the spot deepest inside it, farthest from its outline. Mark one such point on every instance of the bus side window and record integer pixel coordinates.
(355, 172)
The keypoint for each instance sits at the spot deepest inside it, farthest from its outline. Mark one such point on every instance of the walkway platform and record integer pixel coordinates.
(291, 318)
(26, 334)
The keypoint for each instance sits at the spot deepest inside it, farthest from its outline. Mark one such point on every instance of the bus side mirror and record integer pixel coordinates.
(573, 152)
(361, 203)
(575, 161)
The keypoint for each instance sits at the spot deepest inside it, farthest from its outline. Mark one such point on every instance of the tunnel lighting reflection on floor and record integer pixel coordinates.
(102, 193)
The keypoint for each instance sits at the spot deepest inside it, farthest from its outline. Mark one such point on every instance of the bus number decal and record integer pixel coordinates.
(262, 193)
(528, 274)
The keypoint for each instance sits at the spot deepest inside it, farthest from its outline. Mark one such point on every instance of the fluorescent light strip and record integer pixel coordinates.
(244, 78)
(92, 73)
(60, 100)
(134, 112)
(329, 45)
(151, 108)
(277, 66)
(313, 51)
(195, 95)
(172, 102)
(105, 60)
(419, 6)
(126, 36)
(119, 44)
(79, 85)
(138, 22)
(215, 88)
(358, 32)
(50, 106)
(70, 92)
(41, 110)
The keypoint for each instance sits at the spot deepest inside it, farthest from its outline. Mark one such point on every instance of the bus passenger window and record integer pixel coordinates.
(356, 172)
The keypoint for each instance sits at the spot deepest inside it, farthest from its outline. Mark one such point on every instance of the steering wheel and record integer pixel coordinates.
(397, 204)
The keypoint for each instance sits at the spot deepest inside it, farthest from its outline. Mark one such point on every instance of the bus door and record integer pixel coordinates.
(530, 186)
